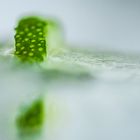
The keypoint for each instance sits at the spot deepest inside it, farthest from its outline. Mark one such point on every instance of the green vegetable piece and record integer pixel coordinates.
(30, 39)
(31, 120)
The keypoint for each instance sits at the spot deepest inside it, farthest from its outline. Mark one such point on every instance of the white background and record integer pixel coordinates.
(111, 23)
(114, 24)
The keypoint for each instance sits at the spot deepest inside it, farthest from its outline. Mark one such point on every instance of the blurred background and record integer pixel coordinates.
(108, 105)
(113, 24)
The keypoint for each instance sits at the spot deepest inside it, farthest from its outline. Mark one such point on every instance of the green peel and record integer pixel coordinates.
(30, 39)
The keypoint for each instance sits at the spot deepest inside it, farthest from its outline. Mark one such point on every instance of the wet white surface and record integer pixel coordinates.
(106, 106)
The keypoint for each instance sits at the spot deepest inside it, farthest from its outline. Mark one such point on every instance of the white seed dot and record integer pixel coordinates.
(17, 52)
(29, 34)
(32, 46)
(22, 48)
(21, 33)
(31, 54)
(17, 36)
(40, 33)
(18, 44)
(26, 29)
(41, 39)
(33, 40)
(40, 49)
(24, 52)
(38, 30)
(26, 39)
(33, 27)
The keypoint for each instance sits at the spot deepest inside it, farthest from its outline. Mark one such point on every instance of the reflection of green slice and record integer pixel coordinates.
(30, 39)
(31, 120)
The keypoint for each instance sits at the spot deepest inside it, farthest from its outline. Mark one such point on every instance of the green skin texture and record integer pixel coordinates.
(30, 39)
(30, 46)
